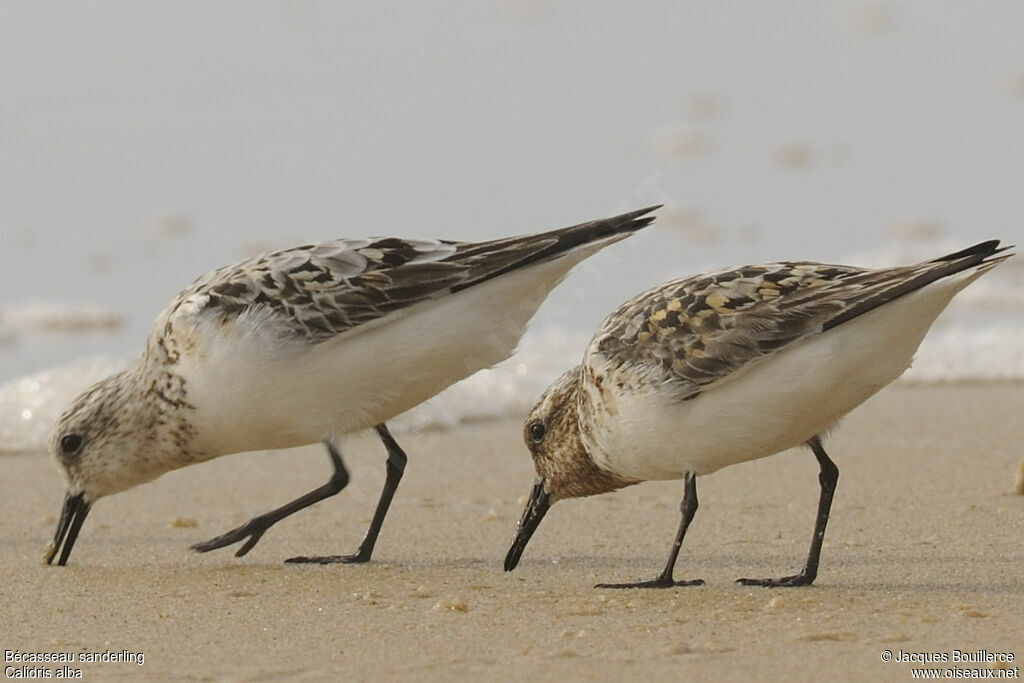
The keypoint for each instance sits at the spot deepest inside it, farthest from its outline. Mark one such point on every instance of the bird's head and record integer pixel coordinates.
(553, 432)
(103, 444)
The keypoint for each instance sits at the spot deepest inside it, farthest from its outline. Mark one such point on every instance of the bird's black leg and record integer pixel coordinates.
(395, 467)
(688, 507)
(828, 477)
(257, 526)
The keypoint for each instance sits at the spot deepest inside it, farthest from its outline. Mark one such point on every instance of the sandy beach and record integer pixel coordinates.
(923, 554)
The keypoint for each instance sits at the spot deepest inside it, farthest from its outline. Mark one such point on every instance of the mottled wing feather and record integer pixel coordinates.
(698, 330)
(315, 292)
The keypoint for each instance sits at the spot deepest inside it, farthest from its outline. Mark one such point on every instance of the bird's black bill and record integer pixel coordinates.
(71, 519)
(539, 503)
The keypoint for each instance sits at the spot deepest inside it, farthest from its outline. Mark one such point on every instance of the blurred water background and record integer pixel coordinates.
(143, 144)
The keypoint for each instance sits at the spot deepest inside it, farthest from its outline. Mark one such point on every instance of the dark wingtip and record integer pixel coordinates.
(523, 250)
(641, 212)
(982, 249)
(604, 227)
(639, 218)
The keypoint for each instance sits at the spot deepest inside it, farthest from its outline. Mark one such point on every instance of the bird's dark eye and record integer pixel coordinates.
(71, 443)
(537, 431)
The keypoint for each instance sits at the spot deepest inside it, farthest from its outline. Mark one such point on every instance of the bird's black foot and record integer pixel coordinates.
(253, 530)
(660, 582)
(800, 579)
(355, 558)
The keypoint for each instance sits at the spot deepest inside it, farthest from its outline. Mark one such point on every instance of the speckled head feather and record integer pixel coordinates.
(121, 420)
(552, 432)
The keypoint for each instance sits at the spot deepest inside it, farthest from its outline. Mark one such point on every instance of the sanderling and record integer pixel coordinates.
(712, 370)
(299, 345)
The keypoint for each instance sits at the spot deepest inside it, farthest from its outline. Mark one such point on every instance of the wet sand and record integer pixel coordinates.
(923, 554)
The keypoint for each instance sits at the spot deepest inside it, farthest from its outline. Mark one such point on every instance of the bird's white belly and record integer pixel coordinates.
(777, 403)
(252, 391)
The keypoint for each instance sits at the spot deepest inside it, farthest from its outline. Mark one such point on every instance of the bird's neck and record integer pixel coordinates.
(581, 474)
(164, 412)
